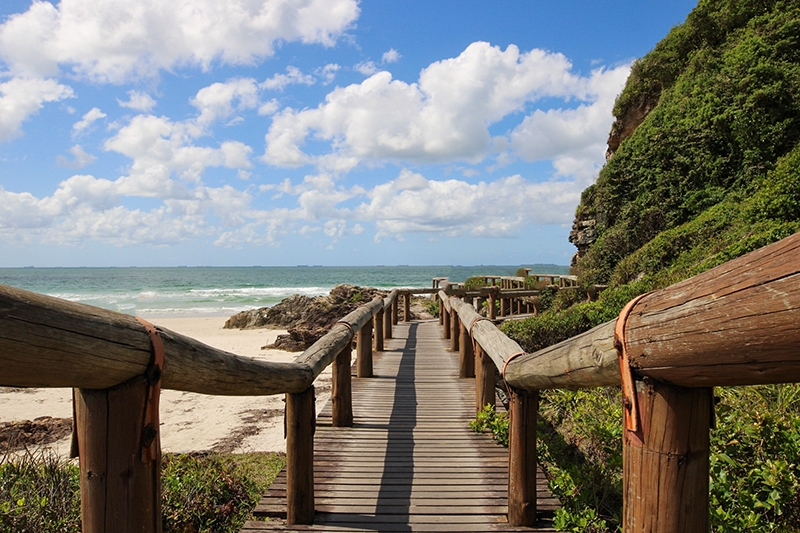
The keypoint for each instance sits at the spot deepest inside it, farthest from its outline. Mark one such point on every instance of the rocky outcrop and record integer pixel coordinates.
(306, 319)
(625, 124)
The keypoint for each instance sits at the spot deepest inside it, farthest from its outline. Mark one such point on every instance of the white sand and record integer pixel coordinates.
(189, 421)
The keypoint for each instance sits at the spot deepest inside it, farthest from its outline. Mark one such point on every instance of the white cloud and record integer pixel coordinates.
(367, 68)
(328, 73)
(392, 56)
(139, 101)
(160, 147)
(81, 158)
(112, 41)
(269, 108)
(220, 101)
(89, 118)
(573, 138)
(444, 117)
(23, 97)
(412, 204)
(293, 76)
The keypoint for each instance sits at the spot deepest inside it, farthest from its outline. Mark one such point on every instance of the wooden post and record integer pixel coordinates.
(300, 422)
(492, 308)
(522, 458)
(445, 323)
(454, 331)
(387, 323)
(466, 366)
(364, 351)
(377, 320)
(441, 309)
(120, 486)
(665, 463)
(503, 306)
(395, 306)
(484, 379)
(407, 307)
(342, 391)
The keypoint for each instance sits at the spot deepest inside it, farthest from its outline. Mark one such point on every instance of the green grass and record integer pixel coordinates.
(39, 493)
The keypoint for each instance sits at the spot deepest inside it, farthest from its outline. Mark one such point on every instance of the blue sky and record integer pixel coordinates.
(283, 132)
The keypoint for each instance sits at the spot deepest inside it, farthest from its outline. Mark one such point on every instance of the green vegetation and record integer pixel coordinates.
(474, 283)
(711, 172)
(496, 423)
(203, 493)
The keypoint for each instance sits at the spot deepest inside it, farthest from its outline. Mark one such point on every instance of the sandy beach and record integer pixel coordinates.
(190, 421)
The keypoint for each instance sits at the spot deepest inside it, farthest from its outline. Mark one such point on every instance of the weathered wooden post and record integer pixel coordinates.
(492, 305)
(395, 306)
(445, 322)
(120, 479)
(342, 391)
(466, 366)
(666, 462)
(300, 420)
(364, 351)
(454, 331)
(119, 445)
(407, 307)
(377, 320)
(441, 307)
(387, 322)
(484, 379)
(522, 458)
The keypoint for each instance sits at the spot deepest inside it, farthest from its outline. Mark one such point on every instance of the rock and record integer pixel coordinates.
(43, 430)
(306, 319)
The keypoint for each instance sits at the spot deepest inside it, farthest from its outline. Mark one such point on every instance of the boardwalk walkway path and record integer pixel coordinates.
(410, 462)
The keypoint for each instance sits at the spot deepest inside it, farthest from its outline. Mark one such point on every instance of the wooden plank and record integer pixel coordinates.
(409, 463)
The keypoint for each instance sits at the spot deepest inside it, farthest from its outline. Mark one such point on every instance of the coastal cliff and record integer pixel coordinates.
(705, 141)
(703, 165)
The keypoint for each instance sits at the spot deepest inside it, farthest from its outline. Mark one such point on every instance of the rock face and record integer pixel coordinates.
(624, 126)
(306, 319)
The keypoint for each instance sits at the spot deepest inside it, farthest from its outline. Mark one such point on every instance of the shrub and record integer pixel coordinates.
(39, 492)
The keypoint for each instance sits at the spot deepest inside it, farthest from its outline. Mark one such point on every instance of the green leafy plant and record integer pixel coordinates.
(39, 492)
(489, 419)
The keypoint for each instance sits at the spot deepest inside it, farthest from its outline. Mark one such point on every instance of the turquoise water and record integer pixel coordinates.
(223, 291)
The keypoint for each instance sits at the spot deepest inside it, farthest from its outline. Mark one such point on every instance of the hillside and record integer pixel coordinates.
(703, 155)
(703, 165)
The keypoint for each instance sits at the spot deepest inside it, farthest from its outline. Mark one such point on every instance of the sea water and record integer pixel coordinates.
(223, 291)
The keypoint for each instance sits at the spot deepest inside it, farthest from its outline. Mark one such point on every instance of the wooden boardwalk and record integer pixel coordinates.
(410, 462)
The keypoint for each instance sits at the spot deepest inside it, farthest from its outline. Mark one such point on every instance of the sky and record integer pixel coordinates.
(320, 132)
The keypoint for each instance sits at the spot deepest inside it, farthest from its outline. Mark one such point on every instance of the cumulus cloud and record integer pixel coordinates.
(87, 208)
(81, 158)
(445, 116)
(220, 101)
(411, 204)
(293, 76)
(573, 138)
(23, 97)
(328, 73)
(392, 56)
(160, 147)
(115, 41)
(89, 118)
(139, 101)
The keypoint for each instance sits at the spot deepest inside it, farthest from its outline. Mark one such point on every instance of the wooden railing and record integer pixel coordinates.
(737, 324)
(117, 364)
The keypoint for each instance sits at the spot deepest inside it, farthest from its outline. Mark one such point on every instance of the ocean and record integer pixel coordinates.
(224, 291)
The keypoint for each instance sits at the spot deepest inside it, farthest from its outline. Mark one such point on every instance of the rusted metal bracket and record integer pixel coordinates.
(629, 407)
(150, 425)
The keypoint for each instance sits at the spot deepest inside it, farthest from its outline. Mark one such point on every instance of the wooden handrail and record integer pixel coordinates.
(736, 324)
(494, 342)
(49, 342)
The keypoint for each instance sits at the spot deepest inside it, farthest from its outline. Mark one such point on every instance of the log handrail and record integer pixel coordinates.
(49, 342)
